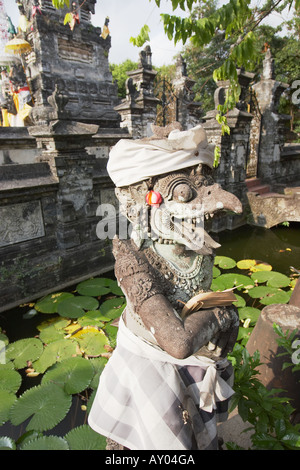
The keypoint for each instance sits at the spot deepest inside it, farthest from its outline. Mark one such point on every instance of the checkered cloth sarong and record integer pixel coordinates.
(149, 400)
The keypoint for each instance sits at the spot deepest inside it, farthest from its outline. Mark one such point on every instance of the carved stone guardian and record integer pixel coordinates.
(168, 380)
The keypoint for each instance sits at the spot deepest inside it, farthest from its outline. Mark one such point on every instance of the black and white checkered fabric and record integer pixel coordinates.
(149, 400)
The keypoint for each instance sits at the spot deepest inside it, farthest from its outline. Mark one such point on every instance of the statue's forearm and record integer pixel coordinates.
(180, 339)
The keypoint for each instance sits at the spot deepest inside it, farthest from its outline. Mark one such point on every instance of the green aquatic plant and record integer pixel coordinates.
(76, 337)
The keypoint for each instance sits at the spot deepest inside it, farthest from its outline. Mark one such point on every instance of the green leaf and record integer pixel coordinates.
(231, 280)
(61, 3)
(6, 443)
(111, 331)
(217, 284)
(45, 405)
(49, 303)
(7, 399)
(10, 380)
(115, 289)
(93, 343)
(98, 364)
(50, 334)
(93, 318)
(216, 271)
(85, 438)
(224, 262)
(269, 295)
(23, 350)
(67, 18)
(74, 307)
(244, 333)
(55, 352)
(73, 375)
(249, 312)
(240, 301)
(46, 443)
(246, 263)
(142, 37)
(113, 308)
(94, 287)
(273, 278)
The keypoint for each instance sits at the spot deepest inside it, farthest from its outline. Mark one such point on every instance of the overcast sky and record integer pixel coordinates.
(126, 19)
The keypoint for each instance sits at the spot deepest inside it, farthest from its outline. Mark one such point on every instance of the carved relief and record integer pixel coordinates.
(73, 50)
(21, 222)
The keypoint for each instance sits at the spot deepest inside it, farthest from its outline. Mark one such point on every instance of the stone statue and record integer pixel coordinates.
(168, 380)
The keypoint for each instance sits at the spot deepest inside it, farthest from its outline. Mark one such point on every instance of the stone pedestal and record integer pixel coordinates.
(138, 109)
(188, 111)
(272, 126)
(263, 339)
(234, 148)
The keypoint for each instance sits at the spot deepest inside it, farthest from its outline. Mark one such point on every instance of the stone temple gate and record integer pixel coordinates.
(53, 173)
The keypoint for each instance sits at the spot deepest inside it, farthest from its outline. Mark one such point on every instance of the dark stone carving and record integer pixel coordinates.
(165, 272)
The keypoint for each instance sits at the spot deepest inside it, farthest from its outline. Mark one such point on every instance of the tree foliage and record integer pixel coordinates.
(236, 21)
(120, 76)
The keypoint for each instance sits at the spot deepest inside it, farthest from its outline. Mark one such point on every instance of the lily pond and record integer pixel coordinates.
(54, 349)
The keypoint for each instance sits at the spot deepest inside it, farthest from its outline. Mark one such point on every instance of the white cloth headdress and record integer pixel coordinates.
(131, 161)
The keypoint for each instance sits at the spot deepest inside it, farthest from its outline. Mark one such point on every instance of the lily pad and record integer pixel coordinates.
(45, 405)
(224, 262)
(50, 334)
(111, 332)
(246, 263)
(58, 321)
(240, 301)
(249, 312)
(93, 318)
(73, 375)
(74, 307)
(244, 334)
(115, 289)
(55, 352)
(113, 308)
(216, 271)
(253, 265)
(269, 295)
(234, 280)
(7, 399)
(94, 287)
(93, 343)
(46, 443)
(85, 438)
(217, 284)
(261, 267)
(49, 303)
(10, 379)
(23, 350)
(98, 364)
(272, 278)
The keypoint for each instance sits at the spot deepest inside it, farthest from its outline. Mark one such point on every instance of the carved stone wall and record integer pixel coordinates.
(48, 209)
(75, 60)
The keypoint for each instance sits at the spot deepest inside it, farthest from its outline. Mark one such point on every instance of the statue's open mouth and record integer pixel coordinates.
(184, 223)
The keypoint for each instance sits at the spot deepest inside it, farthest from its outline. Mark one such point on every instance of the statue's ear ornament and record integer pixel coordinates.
(154, 198)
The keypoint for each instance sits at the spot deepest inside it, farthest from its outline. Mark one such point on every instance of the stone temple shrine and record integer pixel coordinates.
(72, 59)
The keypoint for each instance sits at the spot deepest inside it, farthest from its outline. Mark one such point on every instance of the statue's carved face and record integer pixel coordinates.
(188, 198)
